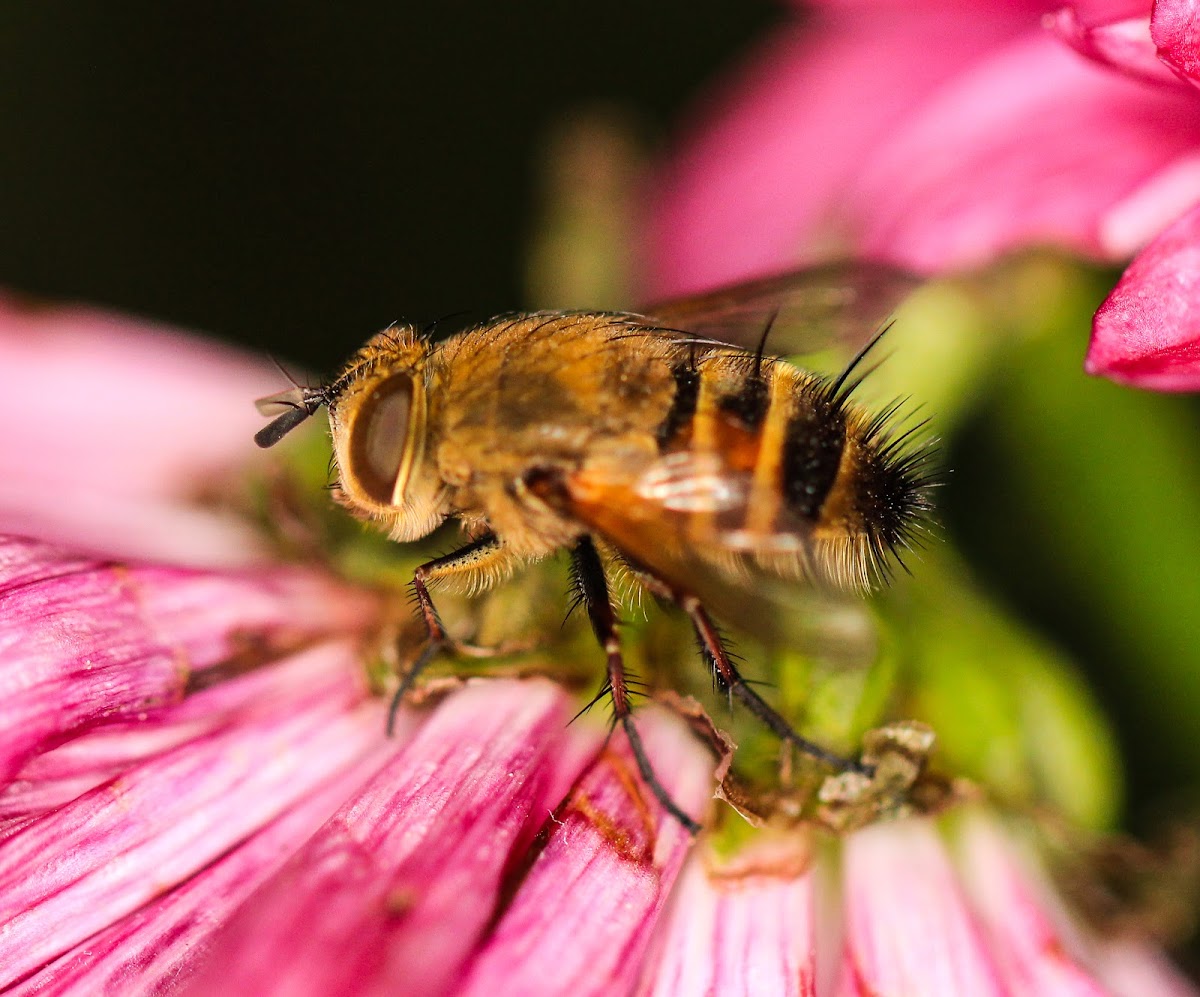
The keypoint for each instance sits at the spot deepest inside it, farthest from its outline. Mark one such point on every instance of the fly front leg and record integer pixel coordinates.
(593, 588)
(468, 558)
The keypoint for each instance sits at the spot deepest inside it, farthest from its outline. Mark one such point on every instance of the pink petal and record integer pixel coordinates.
(79, 869)
(958, 184)
(1132, 969)
(1107, 11)
(1175, 28)
(121, 423)
(61, 774)
(1147, 332)
(394, 892)
(212, 619)
(1038, 949)
(155, 949)
(86, 642)
(1116, 39)
(1133, 222)
(749, 931)
(761, 183)
(127, 405)
(136, 529)
(581, 920)
(908, 927)
(1027, 8)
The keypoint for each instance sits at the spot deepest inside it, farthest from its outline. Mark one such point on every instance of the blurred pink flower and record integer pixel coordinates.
(940, 136)
(197, 795)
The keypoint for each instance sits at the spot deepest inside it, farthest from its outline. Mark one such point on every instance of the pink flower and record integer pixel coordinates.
(962, 909)
(198, 796)
(940, 137)
(197, 790)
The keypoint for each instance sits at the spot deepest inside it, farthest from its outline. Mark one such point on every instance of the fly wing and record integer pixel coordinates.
(683, 523)
(836, 305)
(662, 543)
(689, 508)
(696, 520)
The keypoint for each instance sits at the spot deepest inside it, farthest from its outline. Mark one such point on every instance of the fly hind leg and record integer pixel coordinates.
(593, 588)
(731, 680)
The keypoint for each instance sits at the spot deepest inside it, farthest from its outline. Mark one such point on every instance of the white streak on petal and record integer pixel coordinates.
(1132, 222)
(1132, 969)
(1037, 948)
(736, 935)
(908, 927)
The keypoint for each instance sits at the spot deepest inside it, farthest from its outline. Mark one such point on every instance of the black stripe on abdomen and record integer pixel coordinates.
(683, 404)
(748, 405)
(812, 454)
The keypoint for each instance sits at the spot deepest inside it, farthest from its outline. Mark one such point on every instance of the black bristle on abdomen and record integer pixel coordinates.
(895, 482)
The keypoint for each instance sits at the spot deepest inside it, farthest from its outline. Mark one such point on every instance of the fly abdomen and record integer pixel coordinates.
(769, 462)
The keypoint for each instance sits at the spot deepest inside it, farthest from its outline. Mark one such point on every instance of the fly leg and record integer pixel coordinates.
(593, 587)
(730, 680)
(466, 558)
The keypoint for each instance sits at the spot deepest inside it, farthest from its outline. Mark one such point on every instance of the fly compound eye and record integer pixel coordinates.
(379, 440)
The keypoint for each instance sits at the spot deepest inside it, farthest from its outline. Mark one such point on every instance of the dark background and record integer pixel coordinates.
(295, 175)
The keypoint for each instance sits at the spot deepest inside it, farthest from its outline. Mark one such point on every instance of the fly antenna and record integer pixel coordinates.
(290, 408)
(285, 372)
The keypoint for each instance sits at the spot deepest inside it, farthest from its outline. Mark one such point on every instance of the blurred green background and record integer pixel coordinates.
(295, 176)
